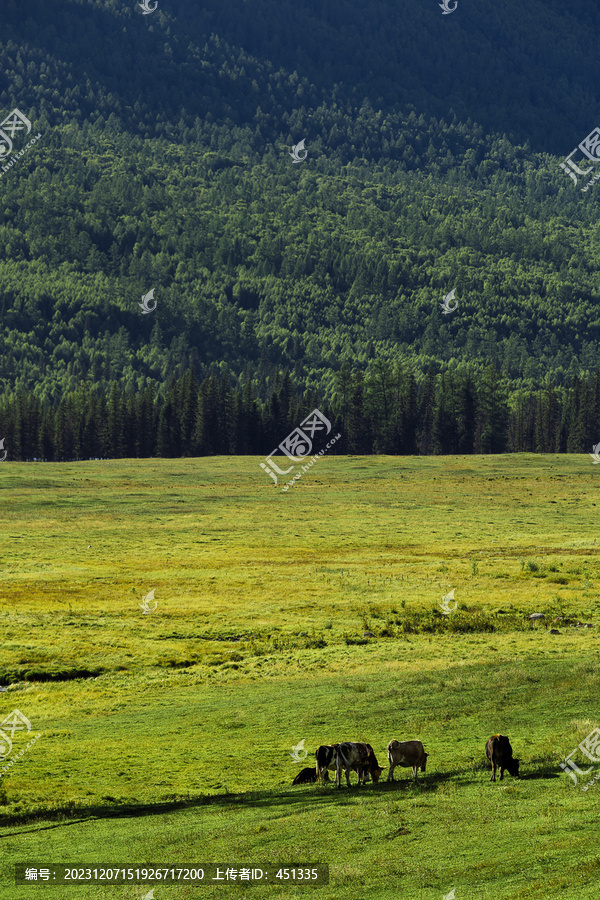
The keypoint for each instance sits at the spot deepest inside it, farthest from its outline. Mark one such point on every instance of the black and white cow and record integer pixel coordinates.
(358, 756)
(325, 757)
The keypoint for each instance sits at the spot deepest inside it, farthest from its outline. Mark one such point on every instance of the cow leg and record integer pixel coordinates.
(338, 773)
(348, 777)
(391, 772)
(493, 778)
(415, 773)
(501, 773)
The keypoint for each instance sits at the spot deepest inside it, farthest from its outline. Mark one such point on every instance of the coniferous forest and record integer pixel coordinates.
(384, 411)
(164, 164)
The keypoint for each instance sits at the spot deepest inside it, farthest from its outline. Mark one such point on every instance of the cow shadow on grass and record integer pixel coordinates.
(72, 813)
(539, 773)
(299, 796)
(428, 782)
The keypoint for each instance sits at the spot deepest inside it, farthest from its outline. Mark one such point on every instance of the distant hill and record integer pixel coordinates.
(433, 147)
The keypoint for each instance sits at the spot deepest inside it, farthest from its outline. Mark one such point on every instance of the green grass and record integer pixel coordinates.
(170, 734)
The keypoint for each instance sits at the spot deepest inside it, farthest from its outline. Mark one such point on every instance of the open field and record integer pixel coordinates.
(166, 738)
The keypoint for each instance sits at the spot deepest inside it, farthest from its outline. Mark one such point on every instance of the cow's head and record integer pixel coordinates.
(376, 772)
(423, 765)
(513, 767)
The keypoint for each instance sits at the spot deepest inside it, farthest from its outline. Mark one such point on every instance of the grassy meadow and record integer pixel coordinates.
(167, 737)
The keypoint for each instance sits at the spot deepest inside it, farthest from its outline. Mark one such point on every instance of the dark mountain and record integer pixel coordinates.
(433, 147)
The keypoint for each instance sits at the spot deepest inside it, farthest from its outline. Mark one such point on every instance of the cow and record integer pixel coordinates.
(499, 753)
(305, 776)
(406, 753)
(360, 757)
(325, 757)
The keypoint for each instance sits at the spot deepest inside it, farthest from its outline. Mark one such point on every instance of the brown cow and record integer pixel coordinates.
(305, 776)
(406, 753)
(499, 752)
(360, 757)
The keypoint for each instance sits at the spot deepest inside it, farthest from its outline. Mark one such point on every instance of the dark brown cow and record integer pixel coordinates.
(305, 776)
(360, 757)
(406, 753)
(499, 752)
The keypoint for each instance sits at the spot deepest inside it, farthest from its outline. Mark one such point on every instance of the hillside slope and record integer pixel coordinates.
(164, 164)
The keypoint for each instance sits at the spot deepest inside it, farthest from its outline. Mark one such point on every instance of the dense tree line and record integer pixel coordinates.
(384, 410)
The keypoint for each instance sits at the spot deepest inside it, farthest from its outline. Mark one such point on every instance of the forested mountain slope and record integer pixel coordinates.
(433, 147)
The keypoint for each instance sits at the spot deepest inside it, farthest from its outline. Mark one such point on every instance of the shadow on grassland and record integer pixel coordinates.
(539, 773)
(72, 813)
(430, 781)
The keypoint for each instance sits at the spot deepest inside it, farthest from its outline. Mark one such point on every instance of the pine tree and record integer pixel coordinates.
(492, 414)
(575, 418)
(206, 432)
(380, 395)
(46, 445)
(360, 438)
(227, 430)
(145, 423)
(115, 424)
(409, 416)
(466, 412)
(426, 406)
(444, 431)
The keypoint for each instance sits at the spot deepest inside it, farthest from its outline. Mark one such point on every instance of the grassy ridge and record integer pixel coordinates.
(263, 600)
